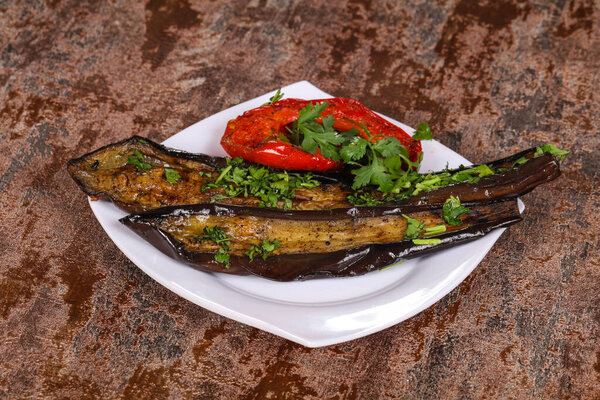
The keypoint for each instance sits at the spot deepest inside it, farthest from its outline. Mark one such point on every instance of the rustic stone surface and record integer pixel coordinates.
(78, 320)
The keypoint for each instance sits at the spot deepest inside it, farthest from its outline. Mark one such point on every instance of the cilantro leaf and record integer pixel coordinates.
(355, 150)
(452, 210)
(423, 132)
(388, 146)
(172, 176)
(363, 176)
(223, 257)
(311, 112)
(316, 136)
(473, 174)
(413, 227)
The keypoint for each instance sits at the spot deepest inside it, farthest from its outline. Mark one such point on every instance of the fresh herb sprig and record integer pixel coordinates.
(274, 189)
(414, 228)
(276, 97)
(311, 135)
(380, 160)
(264, 249)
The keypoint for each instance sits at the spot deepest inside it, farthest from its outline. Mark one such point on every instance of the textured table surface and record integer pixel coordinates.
(79, 320)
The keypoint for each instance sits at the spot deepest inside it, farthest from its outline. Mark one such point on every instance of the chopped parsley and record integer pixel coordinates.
(364, 198)
(264, 249)
(218, 236)
(223, 257)
(137, 159)
(142, 141)
(272, 188)
(452, 210)
(172, 176)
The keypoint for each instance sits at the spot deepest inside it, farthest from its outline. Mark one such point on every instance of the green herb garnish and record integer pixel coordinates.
(264, 249)
(452, 210)
(413, 227)
(550, 148)
(274, 189)
(363, 198)
(423, 132)
(276, 97)
(218, 236)
(435, 230)
(427, 241)
(311, 135)
(223, 257)
(172, 176)
(137, 159)
(142, 141)
(381, 160)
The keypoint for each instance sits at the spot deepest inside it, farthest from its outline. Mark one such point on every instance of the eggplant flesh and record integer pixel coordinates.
(341, 242)
(107, 173)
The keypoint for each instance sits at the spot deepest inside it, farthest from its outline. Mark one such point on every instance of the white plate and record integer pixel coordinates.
(317, 312)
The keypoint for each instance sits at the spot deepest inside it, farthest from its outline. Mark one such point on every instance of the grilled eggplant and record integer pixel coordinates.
(318, 232)
(132, 174)
(109, 173)
(312, 243)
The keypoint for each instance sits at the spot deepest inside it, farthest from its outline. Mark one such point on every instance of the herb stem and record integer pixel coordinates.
(223, 173)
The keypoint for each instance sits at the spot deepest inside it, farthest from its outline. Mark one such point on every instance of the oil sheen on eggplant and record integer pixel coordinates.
(106, 173)
(313, 243)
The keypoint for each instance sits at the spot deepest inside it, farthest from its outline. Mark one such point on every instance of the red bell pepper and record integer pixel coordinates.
(255, 135)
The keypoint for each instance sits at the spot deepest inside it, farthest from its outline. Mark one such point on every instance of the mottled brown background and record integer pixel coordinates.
(78, 320)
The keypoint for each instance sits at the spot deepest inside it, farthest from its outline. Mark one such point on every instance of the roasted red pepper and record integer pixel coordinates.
(255, 137)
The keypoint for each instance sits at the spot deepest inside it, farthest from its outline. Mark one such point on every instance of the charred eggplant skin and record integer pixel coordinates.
(289, 267)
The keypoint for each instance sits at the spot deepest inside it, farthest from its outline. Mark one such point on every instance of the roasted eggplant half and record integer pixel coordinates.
(301, 244)
(138, 174)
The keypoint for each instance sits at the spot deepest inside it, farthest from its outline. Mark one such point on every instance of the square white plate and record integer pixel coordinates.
(316, 312)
